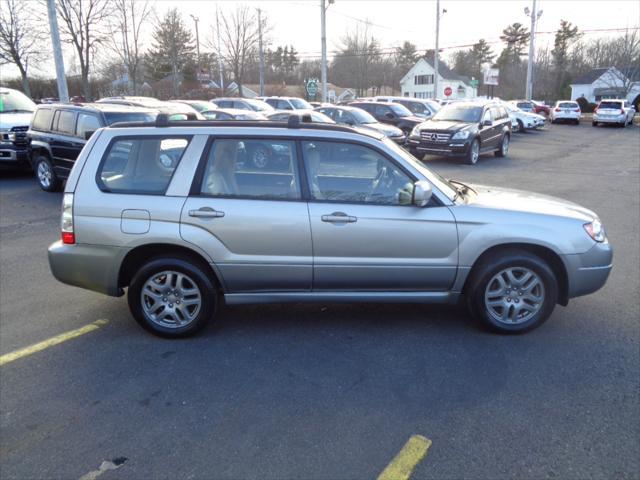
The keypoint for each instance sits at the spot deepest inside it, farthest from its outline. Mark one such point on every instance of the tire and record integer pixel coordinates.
(553, 121)
(45, 175)
(504, 147)
(538, 293)
(474, 152)
(179, 280)
(521, 128)
(594, 124)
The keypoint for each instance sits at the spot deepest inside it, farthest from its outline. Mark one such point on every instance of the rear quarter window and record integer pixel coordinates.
(140, 165)
(42, 119)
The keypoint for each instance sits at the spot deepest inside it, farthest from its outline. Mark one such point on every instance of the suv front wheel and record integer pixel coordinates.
(172, 297)
(513, 293)
(47, 178)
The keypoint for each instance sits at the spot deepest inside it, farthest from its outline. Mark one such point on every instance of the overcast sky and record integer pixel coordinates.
(297, 22)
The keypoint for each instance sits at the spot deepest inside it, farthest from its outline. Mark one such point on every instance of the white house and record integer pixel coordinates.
(602, 83)
(419, 82)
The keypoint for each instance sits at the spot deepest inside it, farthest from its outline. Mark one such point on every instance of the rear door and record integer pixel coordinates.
(65, 145)
(488, 132)
(252, 221)
(366, 234)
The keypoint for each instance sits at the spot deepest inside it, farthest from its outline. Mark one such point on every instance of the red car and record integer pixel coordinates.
(540, 108)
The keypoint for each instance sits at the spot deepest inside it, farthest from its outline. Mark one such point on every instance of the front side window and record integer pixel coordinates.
(283, 105)
(87, 123)
(42, 119)
(66, 122)
(141, 165)
(351, 173)
(257, 168)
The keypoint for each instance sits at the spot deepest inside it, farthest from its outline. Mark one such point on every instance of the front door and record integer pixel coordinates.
(367, 236)
(250, 218)
(490, 134)
(65, 146)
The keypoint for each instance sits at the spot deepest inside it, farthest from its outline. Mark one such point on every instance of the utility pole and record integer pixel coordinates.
(219, 53)
(261, 52)
(437, 53)
(196, 20)
(532, 51)
(63, 91)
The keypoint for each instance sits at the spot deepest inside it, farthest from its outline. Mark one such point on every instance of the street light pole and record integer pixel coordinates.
(261, 52)
(437, 53)
(323, 39)
(219, 53)
(532, 51)
(196, 20)
(63, 92)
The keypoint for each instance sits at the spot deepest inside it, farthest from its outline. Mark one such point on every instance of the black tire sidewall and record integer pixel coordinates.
(500, 152)
(196, 273)
(490, 268)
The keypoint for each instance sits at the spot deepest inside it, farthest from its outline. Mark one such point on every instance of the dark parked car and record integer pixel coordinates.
(390, 113)
(356, 117)
(59, 131)
(464, 129)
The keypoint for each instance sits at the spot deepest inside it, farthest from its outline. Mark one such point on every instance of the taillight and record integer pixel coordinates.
(66, 222)
(595, 110)
(577, 110)
(557, 109)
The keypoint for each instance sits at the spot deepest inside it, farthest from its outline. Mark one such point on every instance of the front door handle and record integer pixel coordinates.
(338, 217)
(206, 212)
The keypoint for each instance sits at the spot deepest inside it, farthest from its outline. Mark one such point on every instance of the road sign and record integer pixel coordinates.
(474, 83)
(312, 87)
(448, 91)
(491, 76)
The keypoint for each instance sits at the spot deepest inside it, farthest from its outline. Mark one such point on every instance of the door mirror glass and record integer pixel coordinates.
(388, 115)
(422, 193)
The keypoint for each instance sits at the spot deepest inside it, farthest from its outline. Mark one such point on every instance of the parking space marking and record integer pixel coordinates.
(63, 337)
(407, 459)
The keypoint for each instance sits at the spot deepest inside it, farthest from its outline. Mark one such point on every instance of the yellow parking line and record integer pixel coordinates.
(63, 337)
(406, 460)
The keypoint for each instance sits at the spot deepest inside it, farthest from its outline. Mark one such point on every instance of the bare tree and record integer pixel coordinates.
(20, 38)
(239, 32)
(359, 56)
(84, 22)
(129, 18)
(625, 58)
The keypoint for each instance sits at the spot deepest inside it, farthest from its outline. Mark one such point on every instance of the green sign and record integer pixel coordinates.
(474, 83)
(312, 87)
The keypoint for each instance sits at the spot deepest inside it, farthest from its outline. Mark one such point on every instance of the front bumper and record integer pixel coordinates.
(12, 156)
(588, 272)
(94, 267)
(451, 148)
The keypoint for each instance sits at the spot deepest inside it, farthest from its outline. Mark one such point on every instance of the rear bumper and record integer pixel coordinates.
(588, 272)
(609, 118)
(87, 266)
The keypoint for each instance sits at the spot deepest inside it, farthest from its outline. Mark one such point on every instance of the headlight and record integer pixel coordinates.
(463, 135)
(596, 231)
(416, 131)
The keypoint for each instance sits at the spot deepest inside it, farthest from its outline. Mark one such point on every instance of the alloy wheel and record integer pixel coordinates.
(45, 175)
(171, 299)
(514, 295)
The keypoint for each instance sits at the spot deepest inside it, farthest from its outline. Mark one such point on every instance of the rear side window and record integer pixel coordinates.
(260, 168)
(42, 119)
(87, 123)
(283, 105)
(66, 122)
(140, 165)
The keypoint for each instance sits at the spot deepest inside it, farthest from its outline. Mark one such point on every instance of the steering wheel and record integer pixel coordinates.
(382, 182)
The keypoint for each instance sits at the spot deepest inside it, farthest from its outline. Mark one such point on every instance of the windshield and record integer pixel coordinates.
(455, 113)
(416, 107)
(15, 102)
(400, 110)
(362, 117)
(614, 105)
(114, 117)
(525, 105)
(438, 181)
(435, 106)
(260, 106)
(301, 104)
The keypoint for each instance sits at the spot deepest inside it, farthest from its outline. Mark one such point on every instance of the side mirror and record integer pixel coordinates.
(350, 122)
(88, 133)
(389, 116)
(487, 123)
(422, 193)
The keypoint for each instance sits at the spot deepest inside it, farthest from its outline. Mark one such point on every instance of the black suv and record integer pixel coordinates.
(59, 131)
(391, 113)
(463, 129)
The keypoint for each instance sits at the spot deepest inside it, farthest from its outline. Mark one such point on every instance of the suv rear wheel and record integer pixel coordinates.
(47, 178)
(504, 146)
(172, 297)
(513, 293)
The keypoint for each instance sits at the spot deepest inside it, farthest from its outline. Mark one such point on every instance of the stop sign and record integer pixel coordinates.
(448, 91)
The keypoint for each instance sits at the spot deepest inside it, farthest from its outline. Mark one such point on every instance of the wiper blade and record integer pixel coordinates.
(16, 111)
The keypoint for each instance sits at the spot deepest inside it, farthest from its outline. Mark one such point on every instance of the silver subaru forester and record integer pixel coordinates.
(185, 214)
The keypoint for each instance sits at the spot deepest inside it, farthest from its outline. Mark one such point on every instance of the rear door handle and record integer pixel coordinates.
(339, 217)
(206, 212)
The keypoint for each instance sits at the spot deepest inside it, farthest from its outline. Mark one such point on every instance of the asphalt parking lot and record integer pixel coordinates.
(332, 391)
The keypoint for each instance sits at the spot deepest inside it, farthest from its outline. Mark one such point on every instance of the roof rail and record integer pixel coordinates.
(163, 120)
(295, 120)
